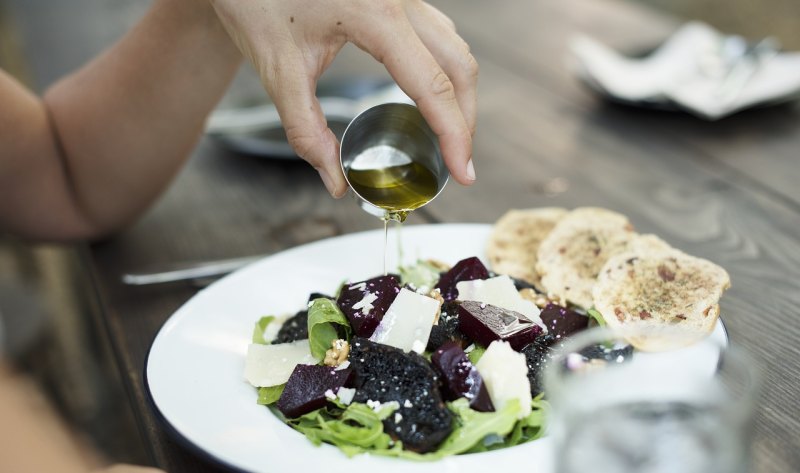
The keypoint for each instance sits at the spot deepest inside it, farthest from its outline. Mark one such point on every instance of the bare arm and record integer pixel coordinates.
(105, 141)
(32, 438)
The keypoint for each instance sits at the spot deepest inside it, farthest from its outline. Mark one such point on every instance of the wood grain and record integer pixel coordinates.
(532, 39)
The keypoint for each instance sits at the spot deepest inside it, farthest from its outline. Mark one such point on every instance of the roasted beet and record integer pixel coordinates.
(486, 323)
(561, 321)
(295, 328)
(365, 303)
(460, 378)
(447, 328)
(384, 374)
(465, 270)
(306, 388)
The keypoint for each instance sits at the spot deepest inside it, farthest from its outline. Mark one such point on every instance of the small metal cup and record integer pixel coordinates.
(387, 135)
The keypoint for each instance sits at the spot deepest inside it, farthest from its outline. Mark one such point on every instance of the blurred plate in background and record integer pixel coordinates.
(257, 130)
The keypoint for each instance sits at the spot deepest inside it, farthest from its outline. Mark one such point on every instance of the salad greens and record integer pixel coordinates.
(476, 353)
(261, 326)
(358, 428)
(323, 316)
(423, 274)
(270, 395)
(597, 316)
(361, 427)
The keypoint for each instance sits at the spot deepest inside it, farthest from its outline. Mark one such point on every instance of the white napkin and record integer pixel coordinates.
(697, 69)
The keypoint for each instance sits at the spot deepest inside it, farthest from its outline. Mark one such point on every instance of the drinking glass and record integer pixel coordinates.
(679, 410)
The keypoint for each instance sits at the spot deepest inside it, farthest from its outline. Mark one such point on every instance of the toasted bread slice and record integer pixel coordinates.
(651, 289)
(571, 256)
(515, 239)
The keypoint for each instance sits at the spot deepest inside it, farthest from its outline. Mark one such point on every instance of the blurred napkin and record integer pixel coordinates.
(697, 69)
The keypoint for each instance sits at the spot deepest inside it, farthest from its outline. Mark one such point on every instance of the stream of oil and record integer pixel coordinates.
(398, 190)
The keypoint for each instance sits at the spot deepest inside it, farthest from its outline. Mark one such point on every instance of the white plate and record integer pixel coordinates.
(195, 367)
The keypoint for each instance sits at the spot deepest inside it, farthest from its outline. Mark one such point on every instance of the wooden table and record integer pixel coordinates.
(726, 191)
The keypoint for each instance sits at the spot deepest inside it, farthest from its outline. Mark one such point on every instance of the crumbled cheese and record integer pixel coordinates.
(346, 395)
(398, 417)
(377, 406)
(365, 304)
(329, 394)
(358, 287)
(469, 348)
(343, 365)
(407, 403)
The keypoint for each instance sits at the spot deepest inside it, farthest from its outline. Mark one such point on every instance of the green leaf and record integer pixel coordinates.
(475, 426)
(597, 316)
(258, 330)
(323, 316)
(358, 428)
(476, 353)
(270, 395)
(355, 430)
(420, 275)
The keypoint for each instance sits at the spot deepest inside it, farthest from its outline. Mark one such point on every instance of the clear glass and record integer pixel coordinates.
(620, 410)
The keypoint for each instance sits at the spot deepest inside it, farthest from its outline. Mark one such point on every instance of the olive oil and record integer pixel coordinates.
(396, 189)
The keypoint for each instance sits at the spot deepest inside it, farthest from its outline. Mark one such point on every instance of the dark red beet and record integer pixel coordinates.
(460, 377)
(364, 321)
(561, 321)
(465, 270)
(486, 323)
(305, 390)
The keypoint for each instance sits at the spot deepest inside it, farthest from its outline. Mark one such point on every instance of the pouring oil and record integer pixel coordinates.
(397, 190)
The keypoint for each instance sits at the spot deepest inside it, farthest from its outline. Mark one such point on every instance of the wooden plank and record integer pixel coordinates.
(758, 147)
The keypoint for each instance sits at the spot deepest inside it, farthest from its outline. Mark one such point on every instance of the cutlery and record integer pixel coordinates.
(197, 271)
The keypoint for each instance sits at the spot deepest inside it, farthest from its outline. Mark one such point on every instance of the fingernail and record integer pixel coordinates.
(470, 170)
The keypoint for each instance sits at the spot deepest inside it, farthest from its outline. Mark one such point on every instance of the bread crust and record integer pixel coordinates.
(513, 246)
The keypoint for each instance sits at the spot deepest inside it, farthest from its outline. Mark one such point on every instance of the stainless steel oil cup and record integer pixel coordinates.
(391, 146)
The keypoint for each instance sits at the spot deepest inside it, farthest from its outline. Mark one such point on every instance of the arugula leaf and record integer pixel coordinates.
(476, 353)
(323, 316)
(270, 395)
(597, 316)
(258, 330)
(357, 428)
(420, 275)
(475, 426)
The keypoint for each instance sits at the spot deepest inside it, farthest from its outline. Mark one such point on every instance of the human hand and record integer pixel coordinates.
(291, 43)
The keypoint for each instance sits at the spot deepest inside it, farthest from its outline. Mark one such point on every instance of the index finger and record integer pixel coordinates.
(416, 71)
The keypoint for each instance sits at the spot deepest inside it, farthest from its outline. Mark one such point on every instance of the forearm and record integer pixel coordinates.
(125, 122)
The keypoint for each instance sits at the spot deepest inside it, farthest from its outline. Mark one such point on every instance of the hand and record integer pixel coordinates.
(291, 43)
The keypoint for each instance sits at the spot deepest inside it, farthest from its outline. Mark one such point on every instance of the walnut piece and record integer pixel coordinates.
(436, 295)
(337, 354)
(540, 300)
